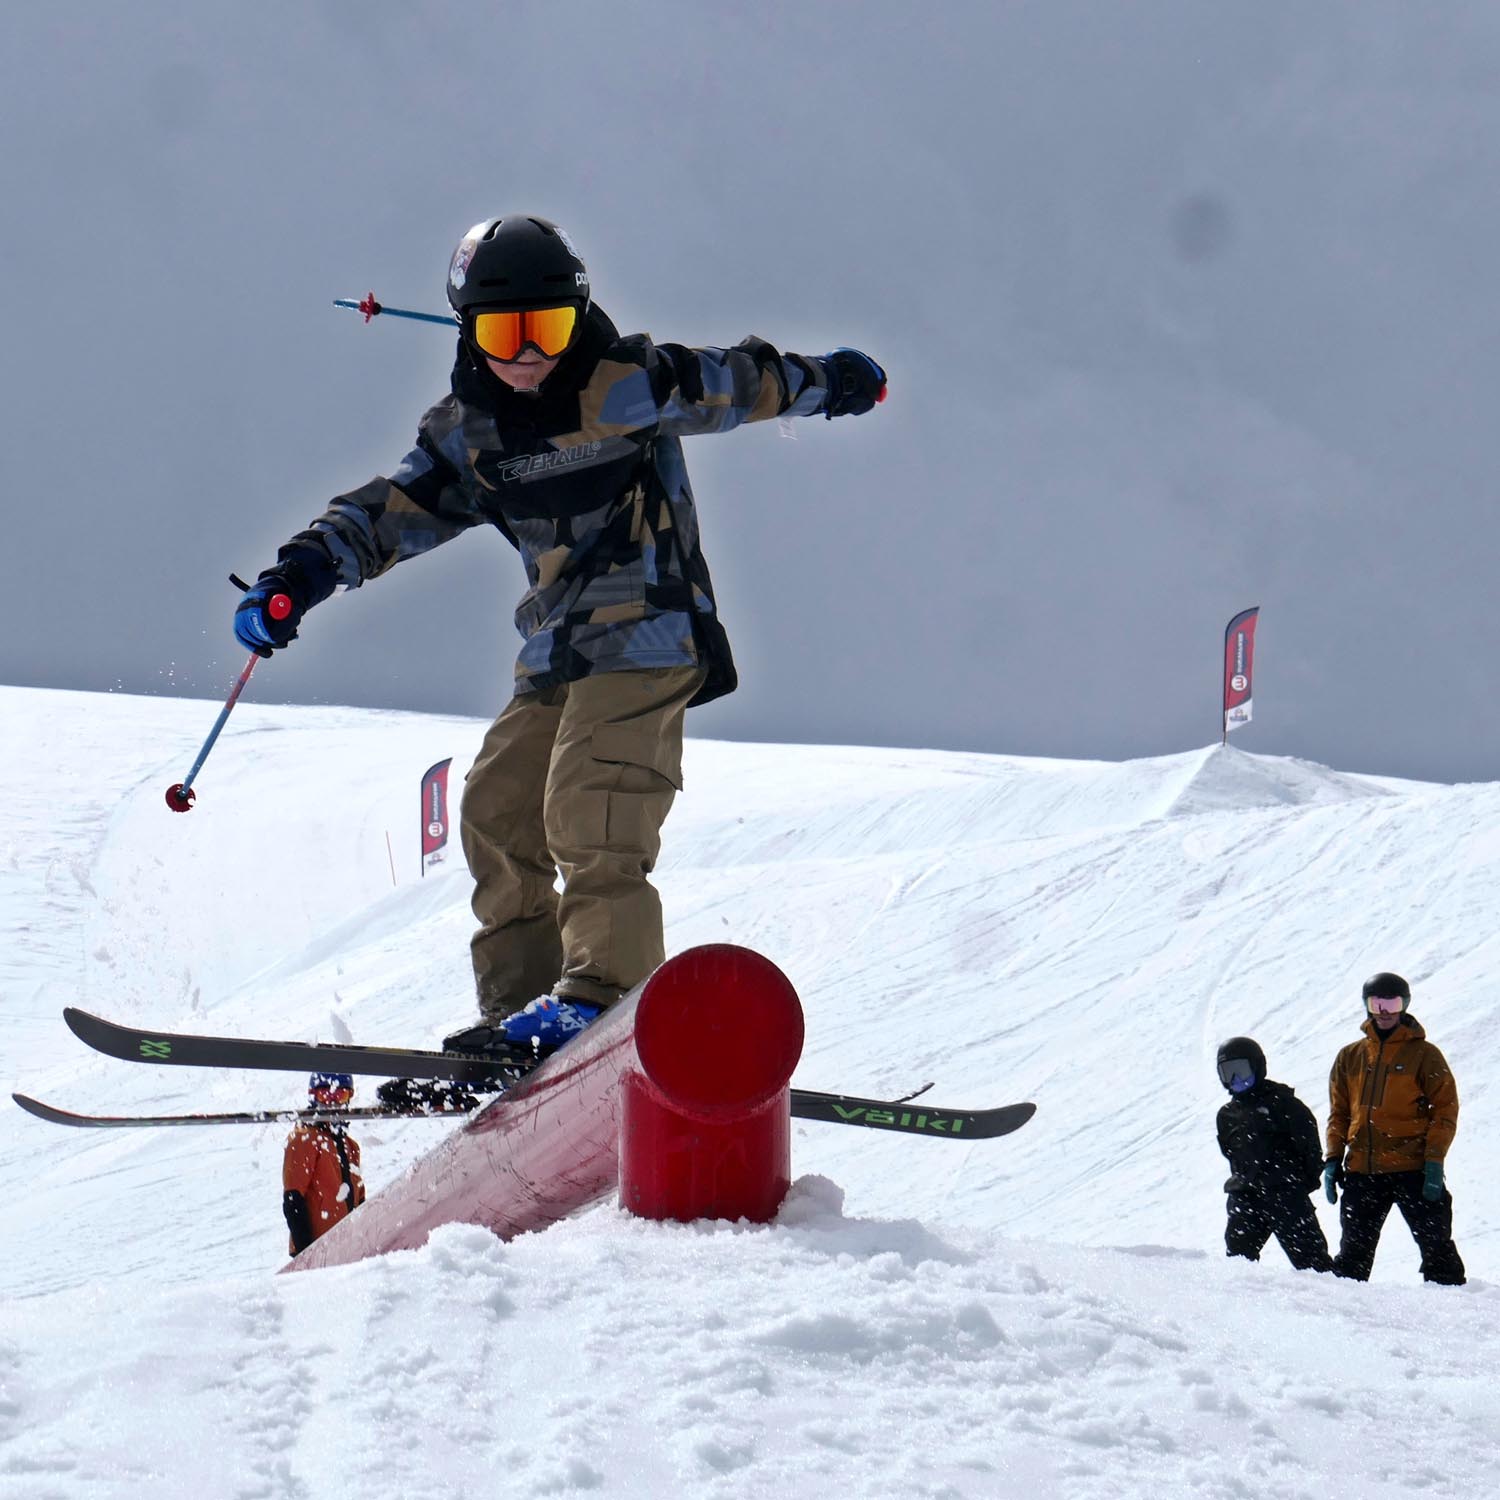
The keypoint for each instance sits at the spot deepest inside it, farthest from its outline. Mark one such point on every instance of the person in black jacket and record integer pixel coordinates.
(1276, 1160)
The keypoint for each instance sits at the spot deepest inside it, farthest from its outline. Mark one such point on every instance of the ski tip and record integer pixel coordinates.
(103, 1036)
(80, 1023)
(85, 1025)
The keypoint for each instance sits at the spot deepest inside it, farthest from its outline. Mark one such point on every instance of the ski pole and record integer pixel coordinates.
(180, 797)
(370, 307)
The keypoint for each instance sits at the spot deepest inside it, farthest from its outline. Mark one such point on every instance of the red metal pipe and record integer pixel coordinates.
(678, 1093)
(706, 1125)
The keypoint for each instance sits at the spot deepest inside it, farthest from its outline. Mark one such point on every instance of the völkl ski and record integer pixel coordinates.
(133, 1044)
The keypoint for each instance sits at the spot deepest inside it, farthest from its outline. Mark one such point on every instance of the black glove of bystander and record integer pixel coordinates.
(298, 1221)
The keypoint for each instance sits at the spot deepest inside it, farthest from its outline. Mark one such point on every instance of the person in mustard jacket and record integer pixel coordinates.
(320, 1175)
(1392, 1115)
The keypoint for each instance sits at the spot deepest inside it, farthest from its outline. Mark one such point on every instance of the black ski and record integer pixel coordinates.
(186, 1050)
(885, 1114)
(838, 1109)
(55, 1116)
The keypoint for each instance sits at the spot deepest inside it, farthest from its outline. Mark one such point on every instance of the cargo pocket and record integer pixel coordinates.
(616, 744)
(647, 774)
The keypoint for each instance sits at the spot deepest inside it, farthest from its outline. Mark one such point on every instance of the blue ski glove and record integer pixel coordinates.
(266, 619)
(855, 383)
(1333, 1178)
(1432, 1181)
(303, 576)
(549, 1022)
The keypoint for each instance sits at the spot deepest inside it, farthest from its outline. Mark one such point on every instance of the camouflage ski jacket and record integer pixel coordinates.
(586, 478)
(1392, 1101)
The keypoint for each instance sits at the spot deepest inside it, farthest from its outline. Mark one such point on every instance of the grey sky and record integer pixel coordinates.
(1186, 307)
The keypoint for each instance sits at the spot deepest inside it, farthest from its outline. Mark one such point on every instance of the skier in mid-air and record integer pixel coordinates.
(1270, 1138)
(321, 1181)
(566, 437)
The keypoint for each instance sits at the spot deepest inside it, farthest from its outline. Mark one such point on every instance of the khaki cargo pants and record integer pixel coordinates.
(574, 780)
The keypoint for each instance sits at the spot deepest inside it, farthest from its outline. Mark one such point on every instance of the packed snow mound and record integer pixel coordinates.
(1223, 779)
(765, 802)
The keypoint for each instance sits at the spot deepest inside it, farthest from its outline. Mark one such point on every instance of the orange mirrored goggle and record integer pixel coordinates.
(503, 335)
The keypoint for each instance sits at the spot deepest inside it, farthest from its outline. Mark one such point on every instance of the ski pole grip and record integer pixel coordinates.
(278, 606)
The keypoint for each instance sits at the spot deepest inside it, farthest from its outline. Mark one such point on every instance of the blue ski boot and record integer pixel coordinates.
(541, 1028)
(549, 1022)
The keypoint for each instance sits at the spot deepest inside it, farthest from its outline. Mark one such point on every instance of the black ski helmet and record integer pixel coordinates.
(1385, 984)
(516, 261)
(1242, 1047)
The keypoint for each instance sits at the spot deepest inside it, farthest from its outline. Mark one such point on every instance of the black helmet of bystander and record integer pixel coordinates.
(1241, 1064)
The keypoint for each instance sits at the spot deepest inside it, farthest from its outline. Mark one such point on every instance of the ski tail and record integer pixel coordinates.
(911, 1118)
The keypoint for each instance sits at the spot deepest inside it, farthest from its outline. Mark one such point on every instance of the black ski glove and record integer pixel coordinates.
(855, 383)
(294, 1209)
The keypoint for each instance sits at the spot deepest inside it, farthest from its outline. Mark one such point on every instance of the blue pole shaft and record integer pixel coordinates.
(224, 712)
(399, 312)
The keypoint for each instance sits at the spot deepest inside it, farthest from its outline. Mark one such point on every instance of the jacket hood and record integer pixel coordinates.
(1406, 1029)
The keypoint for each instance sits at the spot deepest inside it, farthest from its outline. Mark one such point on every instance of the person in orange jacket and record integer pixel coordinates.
(1392, 1115)
(320, 1175)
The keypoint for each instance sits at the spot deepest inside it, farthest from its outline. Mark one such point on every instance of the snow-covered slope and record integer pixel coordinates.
(1048, 1314)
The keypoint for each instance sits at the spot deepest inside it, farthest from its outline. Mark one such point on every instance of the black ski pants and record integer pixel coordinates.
(1368, 1199)
(1255, 1217)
